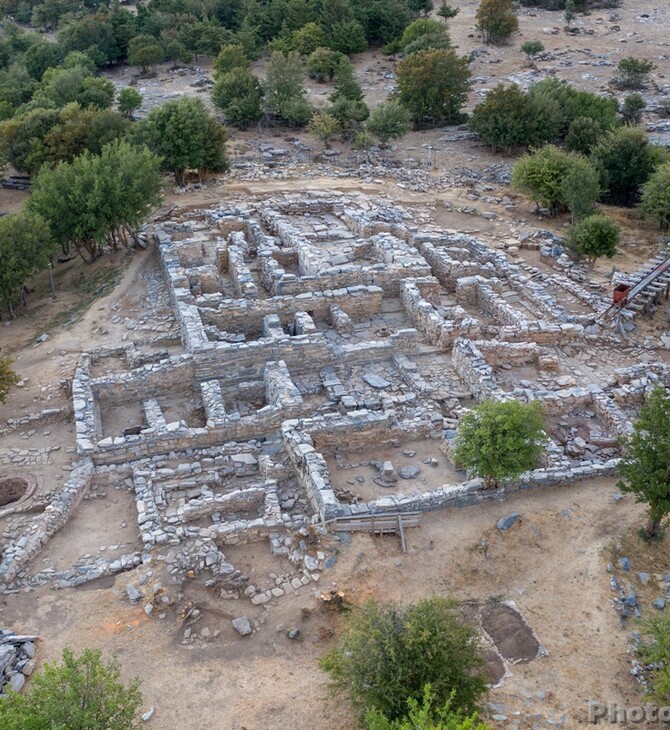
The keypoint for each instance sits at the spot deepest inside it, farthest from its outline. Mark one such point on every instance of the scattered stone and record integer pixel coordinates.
(148, 715)
(659, 603)
(294, 633)
(504, 523)
(409, 472)
(375, 381)
(624, 563)
(242, 625)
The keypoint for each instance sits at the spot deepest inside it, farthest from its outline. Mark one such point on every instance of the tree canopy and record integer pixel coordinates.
(108, 195)
(80, 693)
(387, 654)
(655, 203)
(185, 135)
(500, 440)
(594, 236)
(433, 85)
(645, 466)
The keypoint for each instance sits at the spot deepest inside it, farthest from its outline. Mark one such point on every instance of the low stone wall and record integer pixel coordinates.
(475, 372)
(18, 554)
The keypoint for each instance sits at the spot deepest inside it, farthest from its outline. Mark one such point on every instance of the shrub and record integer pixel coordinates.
(324, 127)
(433, 85)
(633, 106)
(388, 654)
(390, 120)
(548, 176)
(230, 57)
(496, 20)
(348, 37)
(500, 440)
(8, 378)
(307, 39)
(507, 118)
(239, 95)
(130, 100)
(626, 159)
(80, 693)
(418, 28)
(583, 135)
(532, 48)
(285, 96)
(633, 73)
(645, 466)
(654, 655)
(323, 63)
(144, 51)
(426, 716)
(594, 236)
(655, 202)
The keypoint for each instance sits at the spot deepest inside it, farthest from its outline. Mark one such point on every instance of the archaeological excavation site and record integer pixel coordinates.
(297, 379)
(334, 333)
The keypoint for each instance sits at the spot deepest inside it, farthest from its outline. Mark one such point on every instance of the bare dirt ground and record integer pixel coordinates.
(552, 563)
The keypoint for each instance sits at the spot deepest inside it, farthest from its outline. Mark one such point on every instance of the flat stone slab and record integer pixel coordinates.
(376, 381)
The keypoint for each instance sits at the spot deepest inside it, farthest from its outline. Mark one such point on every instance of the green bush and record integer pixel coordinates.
(500, 440)
(239, 95)
(654, 655)
(583, 135)
(633, 73)
(655, 203)
(230, 57)
(80, 693)
(532, 48)
(496, 20)
(323, 63)
(633, 106)
(390, 120)
(557, 180)
(645, 471)
(387, 655)
(348, 37)
(425, 716)
(594, 236)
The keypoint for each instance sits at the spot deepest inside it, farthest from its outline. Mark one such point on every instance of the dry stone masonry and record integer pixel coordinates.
(329, 346)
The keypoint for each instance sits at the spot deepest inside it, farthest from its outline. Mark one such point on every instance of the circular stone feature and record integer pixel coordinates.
(12, 489)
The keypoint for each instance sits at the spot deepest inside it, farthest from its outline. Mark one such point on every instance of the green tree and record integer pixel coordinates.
(583, 135)
(551, 177)
(81, 693)
(22, 138)
(348, 37)
(96, 92)
(285, 96)
(323, 63)
(239, 95)
(25, 248)
(186, 136)
(580, 188)
(594, 236)
(8, 378)
(387, 655)
(496, 20)
(654, 655)
(130, 100)
(108, 195)
(324, 127)
(389, 120)
(433, 85)
(569, 15)
(382, 20)
(421, 27)
(39, 57)
(177, 51)
(307, 39)
(506, 119)
(345, 85)
(532, 49)
(144, 51)
(645, 466)
(446, 12)
(230, 57)
(425, 716)
(633, 73)
(567, 104)
(428, 42)
(655, 203)
(626, 159)
(500, 440)
(633, 106)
